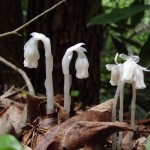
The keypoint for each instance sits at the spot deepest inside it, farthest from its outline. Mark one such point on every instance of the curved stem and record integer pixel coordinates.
(133, 105)
(115, 101)
(121, 114)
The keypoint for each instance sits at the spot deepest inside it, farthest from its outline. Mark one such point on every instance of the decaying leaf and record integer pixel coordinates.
(6, 127)
(103, 107)
(80, 129)
(82, 132)
(13, 113)
(11, 117)
(61, 112)
(140, 143)
(59, 99)
(34, 107)
(78, 134)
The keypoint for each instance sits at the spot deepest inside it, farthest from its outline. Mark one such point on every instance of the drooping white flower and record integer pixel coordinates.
(81, 62)
(81, 65)
(31, 53)
(138, 78)
(127, 72)
(132, 72)
(115, 73)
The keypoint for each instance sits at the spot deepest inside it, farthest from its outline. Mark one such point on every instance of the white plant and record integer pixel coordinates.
(81, 67)
(31, 55)
(128, 72)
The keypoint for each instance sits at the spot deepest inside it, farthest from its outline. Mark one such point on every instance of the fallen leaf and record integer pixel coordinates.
(80, 129)
(140, 143)
(34, 107)
(82, 132)
(61, 112)
(13, 113)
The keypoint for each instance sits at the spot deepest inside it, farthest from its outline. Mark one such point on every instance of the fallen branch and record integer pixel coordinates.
(11, 92)
(32, 20)
(23, 74)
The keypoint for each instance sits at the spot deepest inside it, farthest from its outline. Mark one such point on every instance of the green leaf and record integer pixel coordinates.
(9, 142)
(117, 15)
(148, 143)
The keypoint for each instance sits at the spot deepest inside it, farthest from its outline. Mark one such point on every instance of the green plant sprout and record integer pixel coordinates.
(128, 72)
(31, 55)
(81, 67)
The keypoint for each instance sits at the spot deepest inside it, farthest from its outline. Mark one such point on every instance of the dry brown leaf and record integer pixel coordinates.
(6, 102)
(26, 147)
(34, 107)
(82, 132)
(103, 107)
(11, 117)
(13, 113)
(7, 127)
(78, 134)
(61, 112)
(80, 129)
(140, 143)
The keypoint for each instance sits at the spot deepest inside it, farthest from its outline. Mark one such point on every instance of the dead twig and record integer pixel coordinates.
(10, 92)
(22, 73)
(32, 20)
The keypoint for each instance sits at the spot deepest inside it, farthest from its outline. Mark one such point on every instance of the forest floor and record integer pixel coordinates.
(24, 116)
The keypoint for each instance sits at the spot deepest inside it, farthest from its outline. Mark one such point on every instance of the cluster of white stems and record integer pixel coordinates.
(31, 55)
(127, 72)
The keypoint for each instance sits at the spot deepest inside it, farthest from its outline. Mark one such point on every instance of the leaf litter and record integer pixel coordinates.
(91, 129)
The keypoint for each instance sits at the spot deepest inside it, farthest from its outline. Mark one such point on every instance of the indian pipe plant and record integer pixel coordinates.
(31, 55)
(127, 72)
(81, 67)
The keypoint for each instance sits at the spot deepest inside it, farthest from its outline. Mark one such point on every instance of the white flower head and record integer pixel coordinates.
(128, 72)
(115, 73)
(31, 53)
(81, 62)
(131, 71)
(81, 65)
(138, 78)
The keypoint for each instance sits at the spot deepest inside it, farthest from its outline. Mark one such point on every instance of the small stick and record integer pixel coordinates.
(23, 74)
(32, 20)
(7, 92)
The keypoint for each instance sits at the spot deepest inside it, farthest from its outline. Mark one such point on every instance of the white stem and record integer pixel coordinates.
(67, 99)
(120, 114)
(133, 105)
(114, 136)
(49, 85)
